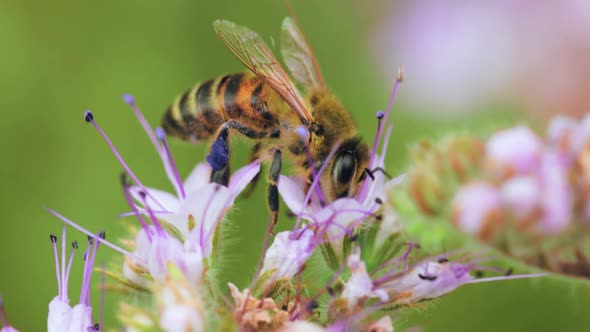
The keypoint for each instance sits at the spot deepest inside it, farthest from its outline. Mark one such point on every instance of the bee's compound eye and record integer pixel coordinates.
(344, 168)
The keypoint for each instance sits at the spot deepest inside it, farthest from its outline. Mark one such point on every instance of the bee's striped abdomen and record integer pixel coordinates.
(194, 115)
(245, 97)
(199, 112)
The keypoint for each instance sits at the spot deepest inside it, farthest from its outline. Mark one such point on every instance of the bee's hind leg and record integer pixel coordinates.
(218, 157)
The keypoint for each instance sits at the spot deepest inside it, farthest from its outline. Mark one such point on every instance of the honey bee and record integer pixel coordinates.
(265, 105)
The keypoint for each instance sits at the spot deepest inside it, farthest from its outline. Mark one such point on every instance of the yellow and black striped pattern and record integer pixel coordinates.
(197, 114)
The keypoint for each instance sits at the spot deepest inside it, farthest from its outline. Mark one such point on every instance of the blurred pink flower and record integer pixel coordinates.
(461, 56)
(476, 208)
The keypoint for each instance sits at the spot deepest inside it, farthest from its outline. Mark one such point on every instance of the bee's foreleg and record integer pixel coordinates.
(218, 157)
(273, 191)
(371, 173)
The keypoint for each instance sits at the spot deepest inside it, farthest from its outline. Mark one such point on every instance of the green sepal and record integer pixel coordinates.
(330, 256)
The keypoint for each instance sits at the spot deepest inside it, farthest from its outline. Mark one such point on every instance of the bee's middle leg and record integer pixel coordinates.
(273, 191)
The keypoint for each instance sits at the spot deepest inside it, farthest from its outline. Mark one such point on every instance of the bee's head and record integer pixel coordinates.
(347, 168)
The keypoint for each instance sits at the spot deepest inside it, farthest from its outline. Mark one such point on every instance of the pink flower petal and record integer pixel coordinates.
(199, 177)
(168, 201)
(242, 177)
(517, 149)
(291, 189)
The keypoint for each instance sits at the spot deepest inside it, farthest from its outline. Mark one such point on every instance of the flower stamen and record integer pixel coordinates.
(136, 212)
(173, 169)
(89, 117)
(94, 236)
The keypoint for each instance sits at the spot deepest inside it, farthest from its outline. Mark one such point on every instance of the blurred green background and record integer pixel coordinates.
(59, 58)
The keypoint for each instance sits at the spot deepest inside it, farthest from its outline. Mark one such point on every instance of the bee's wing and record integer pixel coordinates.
(257, 56)
(298, 55)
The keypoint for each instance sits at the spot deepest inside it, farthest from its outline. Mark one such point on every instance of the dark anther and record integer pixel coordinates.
(142, 194)
(96, 327)
(378, 201)
(379, 217)
(102, 235)
(443, 260)
(284, 307)
(75, 244)
(478, 273)
(330, 291)
(312, 305)
(509, 272)
(53, 238)
(124, 180)
(353, 237)
(380, 115)
(427, 277)
(88, 116)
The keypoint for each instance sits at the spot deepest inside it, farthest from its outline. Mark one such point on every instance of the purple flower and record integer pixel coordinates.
(62, 316)
(556, 196)
(432, 278)
(514, 151)
(205, 202)
(581, 135)
(560, 132)
(287, 254)
(194, 211)
(476, 207)
(359, 285)
(485, 52)
(521, 194)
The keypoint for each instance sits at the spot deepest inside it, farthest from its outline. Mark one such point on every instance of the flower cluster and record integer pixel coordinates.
(344, 265)
(514, 185)
(538, 184)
